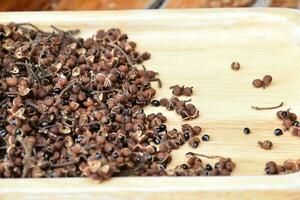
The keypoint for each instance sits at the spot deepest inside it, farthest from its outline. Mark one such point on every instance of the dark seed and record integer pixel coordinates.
(186, 135)
(18, 131)
(295, 123)
(79, 138)
(98, 155)
(246, 130)
(44, 124)
(208, 167)
(56, 90)
(284, 114)
(155, 103)
(149, 157)
(205, 138)
(156, 140)
(184, 166)
(162, 128)
(95, 127)
(115, 154)
(64, 102)
(138, 159)
(3, 132)
(278, 132)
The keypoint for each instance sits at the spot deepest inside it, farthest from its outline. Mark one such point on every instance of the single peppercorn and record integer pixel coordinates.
(79, 138)
(235, 66)
(265, 144)
(205, 138)
(18, 131)
(186, 136)
(208, 167)
(155, 103)
(295, 123)
(267, 79)
(44, 123)
(64, 102)
(98, 155)
(95, 127)
(162, 128)
(56, 90)
(246, 130)
(149, 158)
(184, 166)
(257, 83)
(278, 132)
(156, 140)
(115, 154)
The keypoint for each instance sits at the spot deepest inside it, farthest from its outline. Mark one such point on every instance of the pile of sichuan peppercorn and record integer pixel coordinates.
(73, 107)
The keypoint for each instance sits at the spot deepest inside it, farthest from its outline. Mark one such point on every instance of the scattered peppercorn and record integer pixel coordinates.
(155, 103)
(267, 79)
(205, 138)
(246, 130)
(235, 66)
(278, 132)
(265, 144)
(257, 83)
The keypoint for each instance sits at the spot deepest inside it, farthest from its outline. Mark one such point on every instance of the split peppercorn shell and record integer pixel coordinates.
(257, 83)
(267, 79)
(235, 66)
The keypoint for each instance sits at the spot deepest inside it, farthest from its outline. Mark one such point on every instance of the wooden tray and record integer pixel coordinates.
(196, 48)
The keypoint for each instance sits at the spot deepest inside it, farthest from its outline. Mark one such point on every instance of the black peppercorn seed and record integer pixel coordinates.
(3, 132)
(156, 140)
(184, 166)
(44, 123)
(162, 128)
(98, 155)
(79, 138)
(155, 103)
(138, 159)
(112, 116)
(208, 167)
(246, 131)
(18, 131)
(149, 157)
(278, 132)
(56, 90)
(64, 102)
(295, 123)
(205, 138)
(115, 154)
(186, 135)
(95, 127)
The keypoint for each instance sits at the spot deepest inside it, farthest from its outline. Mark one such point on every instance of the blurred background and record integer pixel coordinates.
(52, 5)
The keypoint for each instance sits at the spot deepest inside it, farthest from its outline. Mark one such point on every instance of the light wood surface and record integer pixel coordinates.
(196, 48)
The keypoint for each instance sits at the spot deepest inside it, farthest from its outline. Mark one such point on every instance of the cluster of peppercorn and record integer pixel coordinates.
(258, 83)
(289, 166)
(181, 90)
(289, 120)
(186, 111)
(73, 107)
(195, 167)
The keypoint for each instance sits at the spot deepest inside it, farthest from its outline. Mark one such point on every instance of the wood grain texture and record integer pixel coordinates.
(207, 3)
(196, 48)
